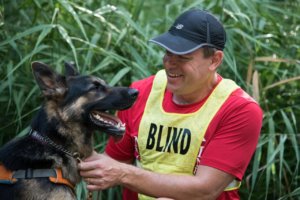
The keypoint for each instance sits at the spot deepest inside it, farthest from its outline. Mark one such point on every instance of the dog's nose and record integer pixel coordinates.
(133, 93)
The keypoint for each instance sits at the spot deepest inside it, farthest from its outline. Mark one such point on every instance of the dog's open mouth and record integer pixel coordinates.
(109, 123)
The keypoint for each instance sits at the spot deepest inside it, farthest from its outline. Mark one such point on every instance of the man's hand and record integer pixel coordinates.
(100, 171)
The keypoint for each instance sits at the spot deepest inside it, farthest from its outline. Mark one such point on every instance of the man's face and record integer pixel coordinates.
(188, 74)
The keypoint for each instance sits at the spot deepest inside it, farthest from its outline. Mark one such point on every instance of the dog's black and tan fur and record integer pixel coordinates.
(75, 107)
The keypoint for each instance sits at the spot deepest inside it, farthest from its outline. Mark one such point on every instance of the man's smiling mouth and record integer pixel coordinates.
(173, 75)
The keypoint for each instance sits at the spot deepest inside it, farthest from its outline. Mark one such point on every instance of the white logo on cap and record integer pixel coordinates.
(179, 26)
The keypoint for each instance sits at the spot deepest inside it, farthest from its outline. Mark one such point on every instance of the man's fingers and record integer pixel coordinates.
(93, 156)
(85, 166)
(90, 173)
(94, 187)
(90, 163)
(93, 181)
(95, 184)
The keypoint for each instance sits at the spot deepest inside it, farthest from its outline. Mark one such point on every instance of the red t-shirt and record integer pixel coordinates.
(230, 139)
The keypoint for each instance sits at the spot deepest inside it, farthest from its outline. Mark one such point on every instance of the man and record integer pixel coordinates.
(191, 133)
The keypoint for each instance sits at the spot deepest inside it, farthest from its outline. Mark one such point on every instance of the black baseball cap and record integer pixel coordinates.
(193, 29)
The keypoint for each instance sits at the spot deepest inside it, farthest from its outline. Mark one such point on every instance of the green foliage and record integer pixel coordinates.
(109, 39)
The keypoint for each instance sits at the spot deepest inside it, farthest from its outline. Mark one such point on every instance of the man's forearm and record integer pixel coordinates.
(101, 172)
(160, 185)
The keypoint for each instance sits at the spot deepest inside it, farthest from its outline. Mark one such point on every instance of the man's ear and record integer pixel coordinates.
(51, 83)
(70, 69)
(217, 59)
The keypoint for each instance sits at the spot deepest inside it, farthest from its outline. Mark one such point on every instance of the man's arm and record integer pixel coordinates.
(101, 172)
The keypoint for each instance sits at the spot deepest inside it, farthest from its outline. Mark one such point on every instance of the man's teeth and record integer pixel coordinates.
(174, 75)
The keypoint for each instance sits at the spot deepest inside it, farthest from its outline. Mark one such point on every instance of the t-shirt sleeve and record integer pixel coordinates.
(232, 145)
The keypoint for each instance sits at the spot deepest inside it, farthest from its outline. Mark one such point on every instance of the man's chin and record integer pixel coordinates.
(174, 88)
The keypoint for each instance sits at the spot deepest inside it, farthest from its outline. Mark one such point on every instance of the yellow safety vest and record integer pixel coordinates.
(169, 143)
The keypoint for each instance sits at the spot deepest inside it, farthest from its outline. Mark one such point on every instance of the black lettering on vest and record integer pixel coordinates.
(151, 136)
(158, 147)
(168, 142)
(174, 140)
(177, 140)
(186, 140)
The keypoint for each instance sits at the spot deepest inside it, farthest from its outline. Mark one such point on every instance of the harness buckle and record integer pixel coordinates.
(77, 157)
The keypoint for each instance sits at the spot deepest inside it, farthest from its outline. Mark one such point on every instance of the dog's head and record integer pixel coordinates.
(82, 102)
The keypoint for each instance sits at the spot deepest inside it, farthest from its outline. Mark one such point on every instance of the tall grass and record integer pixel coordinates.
(109, 39)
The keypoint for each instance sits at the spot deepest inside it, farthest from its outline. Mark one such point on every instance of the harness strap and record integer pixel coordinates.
(33, 173)
(6, 176)
(59, 179)
(54, 175)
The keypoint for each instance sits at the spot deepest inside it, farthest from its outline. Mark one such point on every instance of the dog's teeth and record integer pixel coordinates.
(121, 125)
(98, 117)
(118, 125)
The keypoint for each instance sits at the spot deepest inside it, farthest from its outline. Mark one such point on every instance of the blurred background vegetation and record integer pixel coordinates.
(109, 38)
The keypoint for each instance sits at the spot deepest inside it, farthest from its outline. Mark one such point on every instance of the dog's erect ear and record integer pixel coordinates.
(70, 69)
(51, 83)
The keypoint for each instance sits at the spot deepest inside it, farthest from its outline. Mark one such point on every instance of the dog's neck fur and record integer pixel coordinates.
(69, 134)
(70, 137)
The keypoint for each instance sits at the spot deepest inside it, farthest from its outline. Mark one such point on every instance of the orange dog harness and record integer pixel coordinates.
(54, 175)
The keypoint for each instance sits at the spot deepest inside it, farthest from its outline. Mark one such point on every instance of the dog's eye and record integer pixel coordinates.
(98, 86)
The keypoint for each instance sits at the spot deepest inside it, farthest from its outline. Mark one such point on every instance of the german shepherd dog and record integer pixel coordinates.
(42, 165)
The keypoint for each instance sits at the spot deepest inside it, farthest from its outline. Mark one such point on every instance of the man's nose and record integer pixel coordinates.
(170, 58)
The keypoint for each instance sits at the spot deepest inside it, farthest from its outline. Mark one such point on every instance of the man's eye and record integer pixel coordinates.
(168, 53)
(184, 59)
